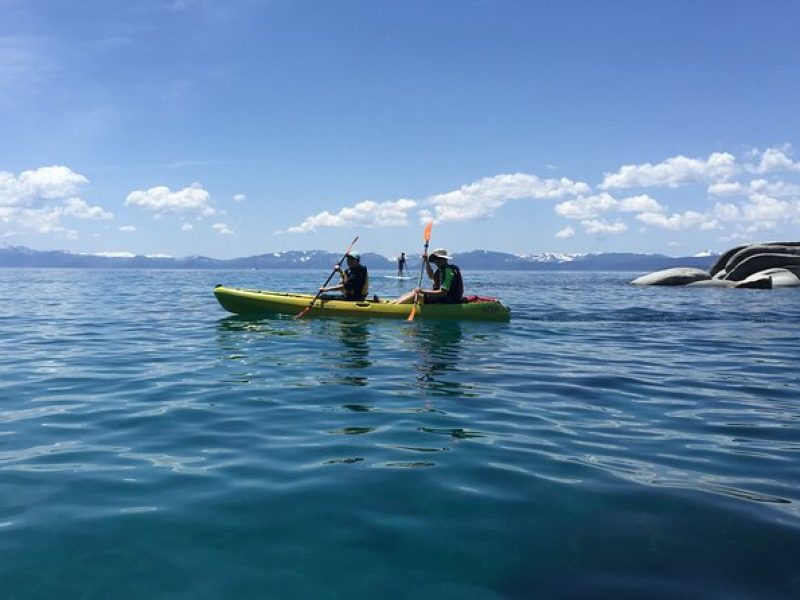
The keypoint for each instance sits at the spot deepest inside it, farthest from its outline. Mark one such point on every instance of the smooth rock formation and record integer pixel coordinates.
(755, 266)
(677, 276)
(719, 264)
(744, 254)
(762, 262)
(782, 277)
(715, 283)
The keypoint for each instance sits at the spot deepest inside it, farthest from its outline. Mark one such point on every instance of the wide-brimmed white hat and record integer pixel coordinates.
(441, 253)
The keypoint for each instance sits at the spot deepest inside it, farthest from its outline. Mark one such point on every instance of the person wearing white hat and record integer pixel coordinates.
(448, 286)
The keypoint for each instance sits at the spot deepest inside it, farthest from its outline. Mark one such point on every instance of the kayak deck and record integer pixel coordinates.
(250, 302)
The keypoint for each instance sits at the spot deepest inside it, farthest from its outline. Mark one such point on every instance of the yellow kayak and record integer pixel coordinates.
(248, 302)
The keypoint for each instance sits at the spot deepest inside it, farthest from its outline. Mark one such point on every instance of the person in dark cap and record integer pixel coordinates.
(354, 281)
(401, 264)
(448, 286)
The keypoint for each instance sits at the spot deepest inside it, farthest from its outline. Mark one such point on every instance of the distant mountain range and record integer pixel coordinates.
(19, 256)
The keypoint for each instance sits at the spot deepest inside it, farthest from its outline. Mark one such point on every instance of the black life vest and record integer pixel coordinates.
(455, 294)
(357, 286)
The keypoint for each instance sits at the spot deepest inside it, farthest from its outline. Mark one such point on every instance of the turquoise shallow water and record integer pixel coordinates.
(611, 441)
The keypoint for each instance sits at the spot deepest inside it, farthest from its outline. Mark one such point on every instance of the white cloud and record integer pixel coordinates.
(599, 226)
(686, 220)
(483, 197)
(127, 228)
(726, 189)
(590, 207)
(187, 227)
(776, 159)
(38, 220)
(725, 211)
(239, 198)
(35, 188)
(37, 200)
(222, 228)
(363, 214)
(567, 232)
(586, 207)
(161, 200)
(643, 203)
(602, 212)
(673, 172)
(768, 203)
(75, 207)
(762, 207)
(774, 188)
(52, 182)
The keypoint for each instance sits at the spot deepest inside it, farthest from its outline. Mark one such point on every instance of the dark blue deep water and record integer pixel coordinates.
(609, 442)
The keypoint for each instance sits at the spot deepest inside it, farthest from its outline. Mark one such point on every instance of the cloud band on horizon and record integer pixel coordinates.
(764, 200)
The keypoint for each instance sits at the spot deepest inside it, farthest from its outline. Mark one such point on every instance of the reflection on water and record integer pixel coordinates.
(255, 344)
(439, 350)
(349, 360)
(438, 347)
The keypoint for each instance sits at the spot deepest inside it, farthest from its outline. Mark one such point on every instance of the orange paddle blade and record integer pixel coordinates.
(411, 314)
(427, 234)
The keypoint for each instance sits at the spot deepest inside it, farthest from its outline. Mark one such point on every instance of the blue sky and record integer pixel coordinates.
(186, 127)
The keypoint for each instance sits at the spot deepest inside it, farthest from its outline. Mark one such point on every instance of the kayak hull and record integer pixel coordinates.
(254, 302)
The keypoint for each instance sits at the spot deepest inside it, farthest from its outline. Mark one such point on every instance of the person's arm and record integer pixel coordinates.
(340, 287)
(335, 288)
(428, 266)
(447, 281)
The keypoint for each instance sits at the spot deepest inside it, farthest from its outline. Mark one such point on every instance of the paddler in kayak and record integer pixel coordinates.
(355, 280)
(448, 286)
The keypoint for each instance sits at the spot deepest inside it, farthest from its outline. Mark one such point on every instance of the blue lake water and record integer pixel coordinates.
(611, 441)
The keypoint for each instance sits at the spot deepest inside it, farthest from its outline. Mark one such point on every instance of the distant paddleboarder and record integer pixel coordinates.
(401, 264)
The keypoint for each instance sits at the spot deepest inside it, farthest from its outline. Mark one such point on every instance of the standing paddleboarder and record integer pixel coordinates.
(401, 264)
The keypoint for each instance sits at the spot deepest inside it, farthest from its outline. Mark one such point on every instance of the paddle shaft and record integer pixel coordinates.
(419, 283)
(328, 280)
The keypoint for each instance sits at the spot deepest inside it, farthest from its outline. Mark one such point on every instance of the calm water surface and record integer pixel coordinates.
(611, 441)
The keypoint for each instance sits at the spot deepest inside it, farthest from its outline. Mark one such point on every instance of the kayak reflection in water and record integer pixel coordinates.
(351, 360)
(448, 286)
(439, 347)
(354, 281)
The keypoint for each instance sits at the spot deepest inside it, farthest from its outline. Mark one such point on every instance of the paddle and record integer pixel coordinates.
(427, 237)
(303, 312)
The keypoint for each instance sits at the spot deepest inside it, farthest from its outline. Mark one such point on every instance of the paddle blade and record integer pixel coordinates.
(427, 234)
(411, 314)
(350, 247)
(302, 313)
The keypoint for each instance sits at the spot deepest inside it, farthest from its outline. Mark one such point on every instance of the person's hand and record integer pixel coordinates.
(337, 268)
(322, 289)
(424, 256)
